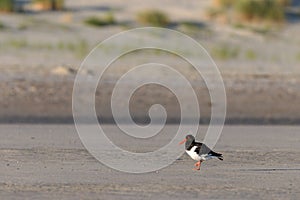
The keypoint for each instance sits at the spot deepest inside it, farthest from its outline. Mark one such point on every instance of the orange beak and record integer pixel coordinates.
(183, 141)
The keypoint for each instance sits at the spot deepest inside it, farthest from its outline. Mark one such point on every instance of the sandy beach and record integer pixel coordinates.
(49, 161)
(42, 156)
(260, 70)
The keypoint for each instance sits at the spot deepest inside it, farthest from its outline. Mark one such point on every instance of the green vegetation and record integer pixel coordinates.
(18, 44)
(239, 26)
(261, 30)
(189, 27)
(106, 20)
(194, 29)
(230, 3)
(2, 25)
(79, 48)
(153, 18)
(250, 54)
(59, 5)
(223, 3)
(258, 11)
(298, 56)
(192, 25)
(22, 26)
(225, 52)
(255, 10)
(6, 5)
(82, 49)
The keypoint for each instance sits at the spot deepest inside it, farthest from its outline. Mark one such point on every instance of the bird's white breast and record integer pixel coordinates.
(193, 154)
(196, 156)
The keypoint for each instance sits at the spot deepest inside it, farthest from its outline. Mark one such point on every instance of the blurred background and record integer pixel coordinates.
(255, 44)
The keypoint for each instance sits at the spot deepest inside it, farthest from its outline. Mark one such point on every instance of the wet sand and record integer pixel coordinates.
(250, 100)
(49, 162)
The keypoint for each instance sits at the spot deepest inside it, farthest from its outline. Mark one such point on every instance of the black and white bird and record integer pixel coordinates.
(199, 151)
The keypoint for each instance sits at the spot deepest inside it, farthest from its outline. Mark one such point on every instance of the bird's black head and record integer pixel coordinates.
(189, 140)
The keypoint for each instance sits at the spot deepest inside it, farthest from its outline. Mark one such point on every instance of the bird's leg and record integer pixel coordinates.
(198, 165)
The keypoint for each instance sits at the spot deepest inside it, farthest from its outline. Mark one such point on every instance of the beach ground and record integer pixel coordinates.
(49, 162)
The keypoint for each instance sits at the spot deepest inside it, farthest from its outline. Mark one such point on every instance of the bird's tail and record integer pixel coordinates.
(218, 155)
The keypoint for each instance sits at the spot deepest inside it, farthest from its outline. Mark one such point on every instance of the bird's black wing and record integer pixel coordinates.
(202, 148)
(218, 155)
(198, 147)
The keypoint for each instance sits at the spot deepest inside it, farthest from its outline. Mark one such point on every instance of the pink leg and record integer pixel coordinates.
(197, 165)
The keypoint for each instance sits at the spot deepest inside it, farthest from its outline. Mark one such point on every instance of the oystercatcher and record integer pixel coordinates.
(199, 151)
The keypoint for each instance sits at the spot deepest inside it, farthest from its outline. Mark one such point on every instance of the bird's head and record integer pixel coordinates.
(188, 139)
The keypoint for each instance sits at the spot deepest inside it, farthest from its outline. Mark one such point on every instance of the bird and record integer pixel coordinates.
(199, 151)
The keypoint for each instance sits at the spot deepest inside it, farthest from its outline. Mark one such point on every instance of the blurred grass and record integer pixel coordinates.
(249, 11)
(153, 18)
(6, 5)
(79, 49)
(194, 29)
(298, 56)
(225, 52)
(191, 25)
(250, 54)
(17, 43)
(106, 20)
(82, 48)
(257, 10)
(23, 26)
(2, 25)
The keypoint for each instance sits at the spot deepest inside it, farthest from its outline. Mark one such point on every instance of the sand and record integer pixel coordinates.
(38, 69)
(47, 98)
(41, 155)
(49, 161)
